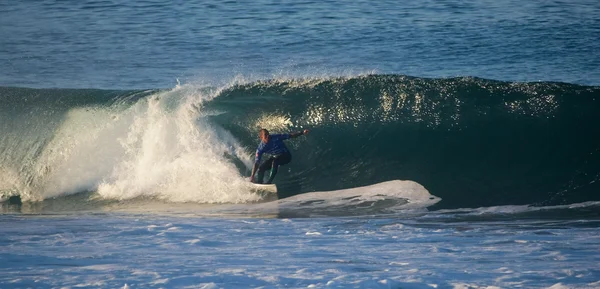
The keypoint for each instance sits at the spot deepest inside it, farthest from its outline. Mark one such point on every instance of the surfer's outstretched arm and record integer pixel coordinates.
(297, 134)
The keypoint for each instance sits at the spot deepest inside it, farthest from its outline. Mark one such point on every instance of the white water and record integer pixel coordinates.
(173, 154)
(160, 147)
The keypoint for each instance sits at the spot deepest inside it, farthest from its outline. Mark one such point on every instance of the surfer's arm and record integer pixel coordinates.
(256, 162)
(297, 134)
(253, 171)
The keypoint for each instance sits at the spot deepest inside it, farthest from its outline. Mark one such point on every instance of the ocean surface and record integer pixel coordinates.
(452, 144)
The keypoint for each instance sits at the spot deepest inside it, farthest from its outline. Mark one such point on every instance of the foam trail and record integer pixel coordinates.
(380, 198)
(414, 193)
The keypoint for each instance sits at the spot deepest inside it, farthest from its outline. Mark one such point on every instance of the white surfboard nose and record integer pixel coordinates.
(269, 188)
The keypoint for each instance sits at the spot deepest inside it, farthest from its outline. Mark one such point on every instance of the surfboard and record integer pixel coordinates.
(267, 188)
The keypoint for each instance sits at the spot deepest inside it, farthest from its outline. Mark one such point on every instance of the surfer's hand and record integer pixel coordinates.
(305, 131)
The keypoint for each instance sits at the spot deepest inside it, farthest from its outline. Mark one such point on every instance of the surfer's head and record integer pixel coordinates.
(263, 134)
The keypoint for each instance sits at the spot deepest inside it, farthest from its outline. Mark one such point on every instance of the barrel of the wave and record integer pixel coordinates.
(459, 137)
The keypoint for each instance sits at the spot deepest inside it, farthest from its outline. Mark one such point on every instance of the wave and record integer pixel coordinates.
(473, 142)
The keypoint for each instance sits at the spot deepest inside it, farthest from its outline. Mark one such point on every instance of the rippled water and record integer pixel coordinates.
(75, 242)
(108, 44)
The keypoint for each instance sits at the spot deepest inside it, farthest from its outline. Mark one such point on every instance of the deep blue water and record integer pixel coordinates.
(149, 44)
(127, 131)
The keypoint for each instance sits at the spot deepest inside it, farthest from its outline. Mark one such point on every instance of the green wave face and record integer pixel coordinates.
(473, 142)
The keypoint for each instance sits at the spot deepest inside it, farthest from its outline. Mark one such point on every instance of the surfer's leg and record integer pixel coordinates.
(274, 170)
(262, 169)
(278, 161)
(258, 179)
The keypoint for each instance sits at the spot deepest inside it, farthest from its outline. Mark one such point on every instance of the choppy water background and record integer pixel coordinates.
(127, 130)
(149, 44)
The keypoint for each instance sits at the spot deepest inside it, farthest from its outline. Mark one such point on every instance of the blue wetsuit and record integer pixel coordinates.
(278, 155)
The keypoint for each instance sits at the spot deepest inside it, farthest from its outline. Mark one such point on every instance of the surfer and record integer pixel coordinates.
(278, 154)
